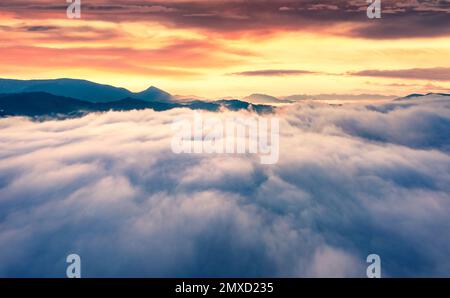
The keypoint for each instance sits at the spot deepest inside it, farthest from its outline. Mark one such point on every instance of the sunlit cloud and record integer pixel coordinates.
(433, 74)
(274, 72)
(191, 47)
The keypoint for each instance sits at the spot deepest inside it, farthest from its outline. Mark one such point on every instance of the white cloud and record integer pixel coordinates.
(351, 181)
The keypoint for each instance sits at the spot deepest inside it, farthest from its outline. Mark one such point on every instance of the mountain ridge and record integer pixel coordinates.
(419, 95)
(81, 89)
(37, 104)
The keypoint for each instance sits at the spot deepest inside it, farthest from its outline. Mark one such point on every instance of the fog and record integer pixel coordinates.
(351, 180)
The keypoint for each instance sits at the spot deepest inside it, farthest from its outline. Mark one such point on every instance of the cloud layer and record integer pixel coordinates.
(191, 46)
(274, 72)
(410, 18)
(433, 74)
(351, 181)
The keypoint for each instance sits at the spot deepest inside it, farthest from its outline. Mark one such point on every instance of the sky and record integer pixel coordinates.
(215, 48)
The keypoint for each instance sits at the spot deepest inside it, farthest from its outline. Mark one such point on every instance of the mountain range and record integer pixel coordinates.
(71, 97)
(422, 96)
(81, 89)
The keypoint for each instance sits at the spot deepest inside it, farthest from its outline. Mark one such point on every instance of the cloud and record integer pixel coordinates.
(41, 28)
(405, 25)
(405, 19)
(351, 181)
(179, 58)
(323, 7)
(434, 74)
(160, 8)
(285, 8)
(274, 72)
(340, 97)
(426, 87)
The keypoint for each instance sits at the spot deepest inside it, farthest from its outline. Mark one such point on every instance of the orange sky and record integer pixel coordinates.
(232, 48)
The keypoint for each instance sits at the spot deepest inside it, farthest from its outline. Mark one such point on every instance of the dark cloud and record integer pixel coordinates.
(274, 72)
(401, 19)
(40, 28)
(434, 74)
(405, 25)
(63, 33)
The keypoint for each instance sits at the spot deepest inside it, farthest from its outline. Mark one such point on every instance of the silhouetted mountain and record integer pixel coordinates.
(40, 103)
(236, 105)
(203, 105)
(414, 95)
(422, 96)
(264, 99)
(80, 89)
(36, 104)
(154, 94)
(128, 104)
(232, 105)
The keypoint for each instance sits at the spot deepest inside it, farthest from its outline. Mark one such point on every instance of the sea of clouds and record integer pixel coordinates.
(351, 180)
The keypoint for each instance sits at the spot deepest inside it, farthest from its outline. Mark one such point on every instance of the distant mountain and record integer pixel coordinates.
(153, 94)
(264, 98)
(36, 104)
(414, 95)
(188, 98)
(330, 97)
(298, 97)
(417, 96)
(80, 89)
(236, 105)
(41, 103)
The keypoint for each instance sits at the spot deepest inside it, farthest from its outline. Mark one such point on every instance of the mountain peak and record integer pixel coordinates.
(418, 96)
(152, 88)
(81, 90)
(260, 98)
(154, 94)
